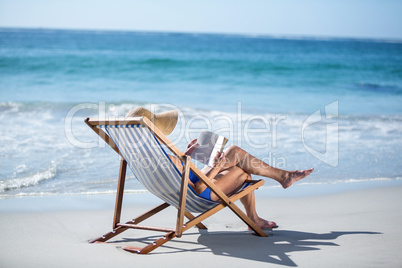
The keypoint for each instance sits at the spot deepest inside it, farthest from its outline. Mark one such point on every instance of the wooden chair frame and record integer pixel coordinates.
(181, 227)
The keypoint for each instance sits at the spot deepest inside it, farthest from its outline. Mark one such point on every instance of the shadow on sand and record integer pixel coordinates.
(273, 249)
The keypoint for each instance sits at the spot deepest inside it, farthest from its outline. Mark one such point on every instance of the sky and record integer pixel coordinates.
(381, 19)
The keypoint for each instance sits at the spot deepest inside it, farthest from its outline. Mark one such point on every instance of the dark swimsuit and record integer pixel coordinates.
(194, 179)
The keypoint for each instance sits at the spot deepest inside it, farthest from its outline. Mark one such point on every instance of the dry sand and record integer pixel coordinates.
(354, 229)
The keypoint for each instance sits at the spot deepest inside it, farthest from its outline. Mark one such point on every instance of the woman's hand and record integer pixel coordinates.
(191, 146)
(219, 160)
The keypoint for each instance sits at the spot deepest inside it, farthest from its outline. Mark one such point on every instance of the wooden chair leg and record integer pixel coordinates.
(137, 220)
(247, 220)
(120, 192)
(148, 248)
(183, 196)
(191, 216)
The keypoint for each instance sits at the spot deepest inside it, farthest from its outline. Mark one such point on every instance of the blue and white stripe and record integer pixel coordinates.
(152, 166)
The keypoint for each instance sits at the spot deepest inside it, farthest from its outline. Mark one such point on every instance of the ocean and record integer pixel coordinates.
(297, 103)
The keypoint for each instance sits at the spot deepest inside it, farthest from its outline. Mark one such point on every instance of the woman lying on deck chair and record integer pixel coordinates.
(230, 169)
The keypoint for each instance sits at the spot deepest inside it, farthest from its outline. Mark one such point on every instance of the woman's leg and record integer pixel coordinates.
(229, 181)
(248, 202)
(238, 157)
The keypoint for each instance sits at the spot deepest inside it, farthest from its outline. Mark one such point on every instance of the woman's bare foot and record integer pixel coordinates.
(264, 224)
(294, 176)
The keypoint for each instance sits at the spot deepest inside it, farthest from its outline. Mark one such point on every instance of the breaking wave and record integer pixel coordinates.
(28, 180)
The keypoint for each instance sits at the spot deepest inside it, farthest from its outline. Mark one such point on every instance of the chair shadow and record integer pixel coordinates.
(273, 249)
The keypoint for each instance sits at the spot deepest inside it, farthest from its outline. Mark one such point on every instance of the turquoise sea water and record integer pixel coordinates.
(261, 92)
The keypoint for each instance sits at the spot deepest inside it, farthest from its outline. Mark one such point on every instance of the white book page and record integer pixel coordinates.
(208, 144)
(217, 148)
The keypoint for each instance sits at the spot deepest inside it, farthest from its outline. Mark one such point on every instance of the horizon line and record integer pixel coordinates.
(248, 35)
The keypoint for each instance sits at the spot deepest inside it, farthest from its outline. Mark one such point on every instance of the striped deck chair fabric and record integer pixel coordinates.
(152, 166)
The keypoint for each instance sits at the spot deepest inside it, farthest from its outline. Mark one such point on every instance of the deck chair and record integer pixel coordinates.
(139, 143)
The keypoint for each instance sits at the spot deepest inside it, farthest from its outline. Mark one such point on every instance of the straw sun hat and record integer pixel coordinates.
(165, 121)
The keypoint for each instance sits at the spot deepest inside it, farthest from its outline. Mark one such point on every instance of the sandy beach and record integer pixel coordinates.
(359, 228)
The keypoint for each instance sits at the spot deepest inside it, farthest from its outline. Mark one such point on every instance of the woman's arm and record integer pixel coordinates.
(190, 147)
(218, 163)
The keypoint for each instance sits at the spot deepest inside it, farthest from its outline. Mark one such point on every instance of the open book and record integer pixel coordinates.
(208, 144)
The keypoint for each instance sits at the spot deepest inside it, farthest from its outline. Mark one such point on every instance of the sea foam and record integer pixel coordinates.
(28, 180)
